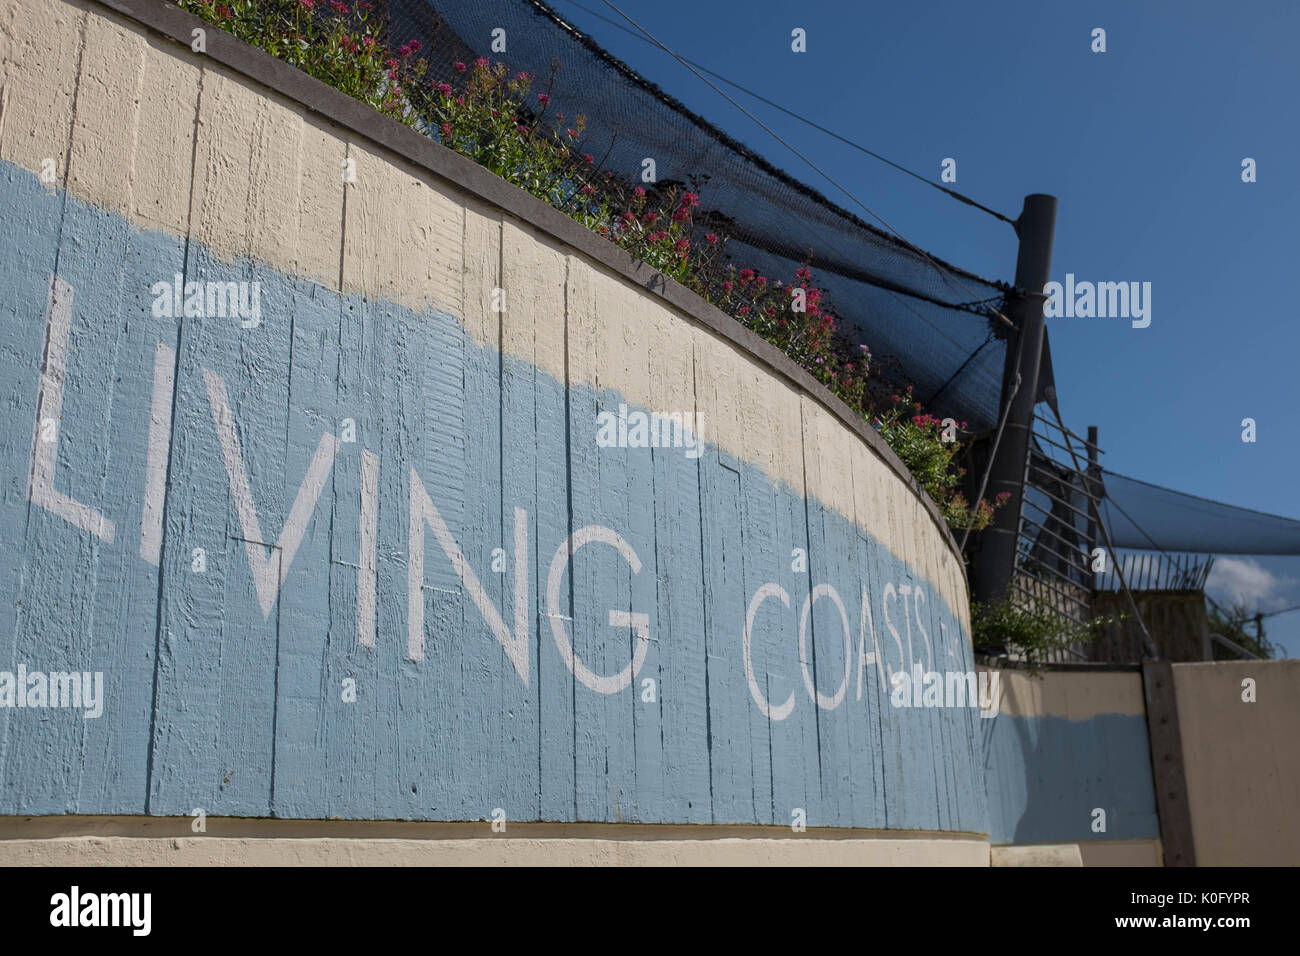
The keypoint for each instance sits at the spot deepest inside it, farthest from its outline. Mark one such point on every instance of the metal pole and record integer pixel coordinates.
(997, 553)
(1093, 518)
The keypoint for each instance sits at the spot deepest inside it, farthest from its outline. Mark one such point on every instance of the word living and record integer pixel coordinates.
(656, 430)
(1104, 300)
(947, 689)
(208, 299)
(60, 689)
(74, 909)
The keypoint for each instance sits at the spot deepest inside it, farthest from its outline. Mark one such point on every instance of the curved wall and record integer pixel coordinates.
(360, 554)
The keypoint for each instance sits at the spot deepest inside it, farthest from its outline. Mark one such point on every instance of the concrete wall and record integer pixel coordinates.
(1063, 746)
(351, 463)
(1241, 760)
(163, 841)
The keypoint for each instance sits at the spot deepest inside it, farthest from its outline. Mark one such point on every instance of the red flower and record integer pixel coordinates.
(482, 62)
(650, 217)
(711, 239)
(572, 133)
(445, 130)
(726, 286)
(307, 4)
(588, 157)
(804, 273)
(416, 46)
(543, 98)
(391, 63)
(459, 67)
(681, 214)
(682, 245)
(588, 189)
(339, 8)
(638, 191)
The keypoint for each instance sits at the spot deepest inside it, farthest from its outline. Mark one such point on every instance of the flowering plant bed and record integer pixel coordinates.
(503, 122)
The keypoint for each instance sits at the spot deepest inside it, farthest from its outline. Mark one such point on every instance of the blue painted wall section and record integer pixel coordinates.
(212, 704)
(1047, 774)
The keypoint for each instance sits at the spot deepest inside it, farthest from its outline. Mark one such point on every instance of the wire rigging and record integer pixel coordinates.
(803, 119)
(943, 273)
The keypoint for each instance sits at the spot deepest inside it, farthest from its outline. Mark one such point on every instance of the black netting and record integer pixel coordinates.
(1145, 516)
(928, 322)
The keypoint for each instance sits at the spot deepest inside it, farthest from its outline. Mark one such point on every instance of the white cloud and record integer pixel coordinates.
(1243, 581)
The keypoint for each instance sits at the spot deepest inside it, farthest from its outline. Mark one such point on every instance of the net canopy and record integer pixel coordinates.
(1145, 516)
(928, 320)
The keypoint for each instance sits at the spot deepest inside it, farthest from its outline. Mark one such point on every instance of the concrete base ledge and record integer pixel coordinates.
(170, 842)
(1061, 854)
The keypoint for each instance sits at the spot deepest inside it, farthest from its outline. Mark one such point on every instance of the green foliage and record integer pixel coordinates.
(1028, 629)
(1232, 623)
(919, 440)
(496, 119)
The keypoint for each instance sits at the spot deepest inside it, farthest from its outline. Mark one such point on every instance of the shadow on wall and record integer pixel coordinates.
(1067, 760)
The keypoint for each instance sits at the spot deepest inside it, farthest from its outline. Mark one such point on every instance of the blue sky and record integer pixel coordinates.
(1142, 144)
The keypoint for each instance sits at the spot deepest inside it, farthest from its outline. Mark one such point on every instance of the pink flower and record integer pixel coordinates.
(744, 310)
(588, 157)
(307, 4)
(746, 275)
(445, 130)
(804, 273)
(588, 189)
(682, 245)
(638, 191)
(391, 63)
(521, 75)
(339, 8)
(690, 199)
(223, 11)
(404, 50)
(368, 42)
(482, 62)
(726, 286)
(712, 240)
(681, 214)
(365, 6)
(416, 46)
(650, 217)
(543, 98)
(443, 88)
(571, 133)
(1003, 496)
(459, 67)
